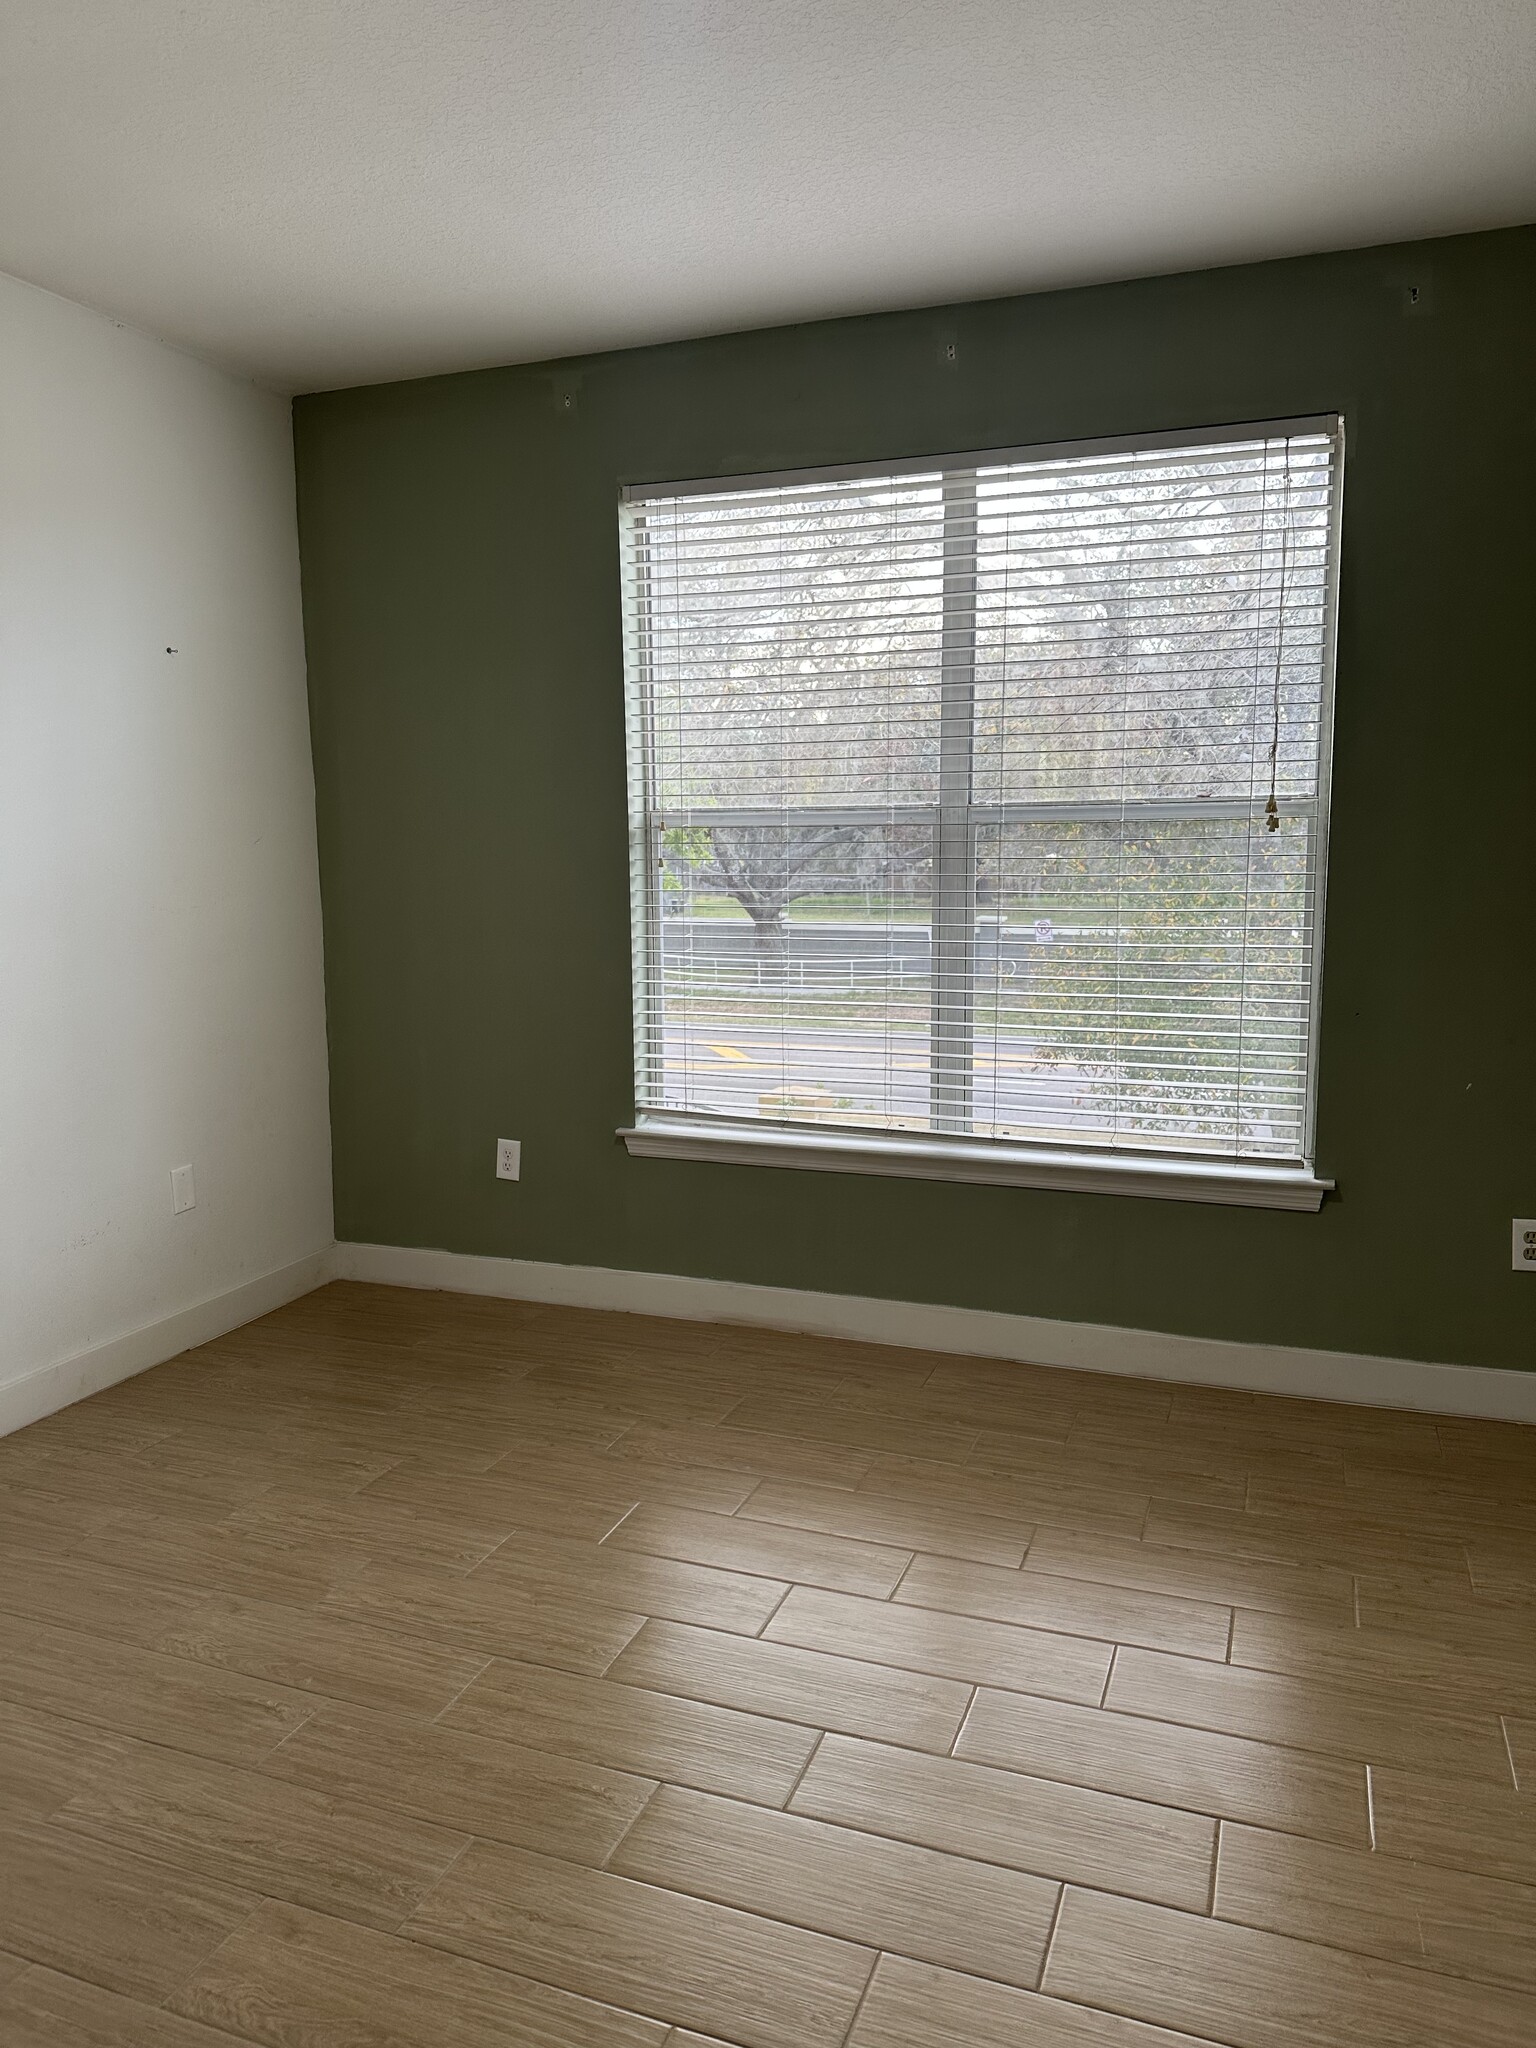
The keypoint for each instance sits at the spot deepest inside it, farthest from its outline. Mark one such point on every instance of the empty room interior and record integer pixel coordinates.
(767, 1147)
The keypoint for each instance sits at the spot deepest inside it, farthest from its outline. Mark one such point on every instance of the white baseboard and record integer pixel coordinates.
(984, 1333)
(1351, 1376)
(39, 1393)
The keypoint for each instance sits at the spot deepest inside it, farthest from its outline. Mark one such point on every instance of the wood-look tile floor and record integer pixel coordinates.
(410, 1671)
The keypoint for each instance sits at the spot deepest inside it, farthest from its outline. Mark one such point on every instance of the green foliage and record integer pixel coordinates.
(687, 846)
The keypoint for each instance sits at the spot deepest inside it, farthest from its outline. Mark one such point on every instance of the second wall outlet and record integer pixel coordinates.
(183, 1194)
(509, 1158)
(1525, 1244)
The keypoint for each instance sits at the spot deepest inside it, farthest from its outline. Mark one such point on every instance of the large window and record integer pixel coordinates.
(978, 812)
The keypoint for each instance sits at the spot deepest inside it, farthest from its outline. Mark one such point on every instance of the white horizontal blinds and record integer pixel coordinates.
(987, 800)
(791, 690)
(1151, 668)
(794, 645)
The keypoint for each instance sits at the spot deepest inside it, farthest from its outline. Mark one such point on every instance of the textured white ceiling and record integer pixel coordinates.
(326, 192)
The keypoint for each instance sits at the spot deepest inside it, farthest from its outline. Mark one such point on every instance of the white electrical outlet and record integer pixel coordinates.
(1525, 1244)
(183, 1194)
(509, 1158)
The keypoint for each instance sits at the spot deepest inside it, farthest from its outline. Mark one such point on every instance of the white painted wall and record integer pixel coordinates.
(161, 998)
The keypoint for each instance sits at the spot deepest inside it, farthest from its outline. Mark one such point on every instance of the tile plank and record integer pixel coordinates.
(457, 1780)
(362, 1863)
(949, 1645)
(1048, 1419)
(116, 1606)
(634, 1579)
(372, 1528)
(318, 1652)
(292, 1470)
(1446, 1505)
(1502, 1571)
(1033, 1824)
(1193, 1574)
(1024, 1389)
(45, 1761)
(1256, 1990)
(584, 1514)
(740, 1544)
(118, 1919)
(38, 1522)
(262, 1566)
(480, 1615)
(790, 1684)
(1379, 1905)
(628, 1728)
(760, 1452)
(1113, 1510)
(912, 2005)
(1521, 1737)
(116, 1480)
(1440, 1602)
(1304, 1537)
(137, 1692)
(864, 1429)
(1224, 1775)
(529, 1481)
(1174, 1473)
(907, 1525)
(1079, 1607)
(1463, 1826)
(44, 2009)
(292, 1979)
(887, 1895)
(1502, 1680)
(687, 1961)
(1374, 1723)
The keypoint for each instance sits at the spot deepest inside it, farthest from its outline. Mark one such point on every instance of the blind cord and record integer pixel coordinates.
(1272, 807)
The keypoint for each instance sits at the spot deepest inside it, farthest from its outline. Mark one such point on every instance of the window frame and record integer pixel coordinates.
(949, 1150)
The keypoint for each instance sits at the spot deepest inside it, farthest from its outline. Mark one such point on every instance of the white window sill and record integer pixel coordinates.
(1247, 1184)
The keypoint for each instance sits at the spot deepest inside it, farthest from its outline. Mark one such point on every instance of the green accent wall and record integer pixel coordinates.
(462, 614)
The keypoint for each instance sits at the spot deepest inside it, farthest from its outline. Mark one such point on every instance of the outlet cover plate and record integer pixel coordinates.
(183, 1194)
(1525, 1244)
(509, 1158)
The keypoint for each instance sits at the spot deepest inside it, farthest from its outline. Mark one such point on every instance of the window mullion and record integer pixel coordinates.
(954, 866)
